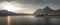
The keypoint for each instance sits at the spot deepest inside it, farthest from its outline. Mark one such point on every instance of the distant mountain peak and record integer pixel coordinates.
(43, 11)
(47, 8)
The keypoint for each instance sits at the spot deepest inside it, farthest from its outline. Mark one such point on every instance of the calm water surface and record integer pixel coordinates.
(27, 20)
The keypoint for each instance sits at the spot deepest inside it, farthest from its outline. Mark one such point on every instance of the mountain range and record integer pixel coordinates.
(47, 11)
(9, 13)
(5, 13)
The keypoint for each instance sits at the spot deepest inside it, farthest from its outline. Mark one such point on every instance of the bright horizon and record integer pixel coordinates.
(15, 7)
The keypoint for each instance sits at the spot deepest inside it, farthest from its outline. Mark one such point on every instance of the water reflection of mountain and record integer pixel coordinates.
(46, 11)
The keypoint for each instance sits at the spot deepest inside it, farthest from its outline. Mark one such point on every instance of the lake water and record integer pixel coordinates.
(28, 20)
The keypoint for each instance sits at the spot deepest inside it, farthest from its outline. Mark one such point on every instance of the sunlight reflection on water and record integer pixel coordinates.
(8, 20)
(15, 20)
(22, 20)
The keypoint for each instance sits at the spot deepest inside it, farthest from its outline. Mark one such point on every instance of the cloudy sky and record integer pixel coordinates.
(39, 3)
(54, 4)
(35, 4)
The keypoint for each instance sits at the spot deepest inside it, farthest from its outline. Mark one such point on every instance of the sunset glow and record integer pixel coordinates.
(11, 6)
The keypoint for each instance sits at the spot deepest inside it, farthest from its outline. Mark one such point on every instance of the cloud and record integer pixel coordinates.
(54, 4)
(41, 3)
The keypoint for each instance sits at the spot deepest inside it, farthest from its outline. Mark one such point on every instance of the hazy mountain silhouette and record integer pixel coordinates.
(6, 13)
(9, 13)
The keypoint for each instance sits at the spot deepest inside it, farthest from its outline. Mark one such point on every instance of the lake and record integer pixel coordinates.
(28, 20)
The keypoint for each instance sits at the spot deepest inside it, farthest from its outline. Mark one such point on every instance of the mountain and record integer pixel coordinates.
(48, 9)
(44, 11)
(58, 10)
(6, 13)
(9, 13)
(38, 12)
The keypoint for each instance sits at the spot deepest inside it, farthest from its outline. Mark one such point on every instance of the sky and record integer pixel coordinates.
(54, 4)
(28, 5)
